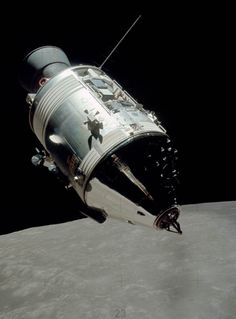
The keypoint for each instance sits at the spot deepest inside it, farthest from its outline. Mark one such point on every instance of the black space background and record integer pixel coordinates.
(178, 61)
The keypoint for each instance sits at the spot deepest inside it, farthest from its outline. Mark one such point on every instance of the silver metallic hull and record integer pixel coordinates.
(114, 153)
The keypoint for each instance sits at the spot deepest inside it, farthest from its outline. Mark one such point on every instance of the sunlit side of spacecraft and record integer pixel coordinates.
(114, 153)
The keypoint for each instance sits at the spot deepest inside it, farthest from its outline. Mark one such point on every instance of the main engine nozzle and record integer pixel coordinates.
(41, 64)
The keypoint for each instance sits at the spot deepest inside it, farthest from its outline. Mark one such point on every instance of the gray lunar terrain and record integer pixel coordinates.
(85, 270)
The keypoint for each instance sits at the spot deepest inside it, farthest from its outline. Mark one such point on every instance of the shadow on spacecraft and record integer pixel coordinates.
(100, 141)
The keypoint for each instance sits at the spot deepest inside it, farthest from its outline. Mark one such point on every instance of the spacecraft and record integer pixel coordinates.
(100, 141)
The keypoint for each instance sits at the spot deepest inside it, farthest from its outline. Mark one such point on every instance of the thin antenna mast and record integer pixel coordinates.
(120, 41)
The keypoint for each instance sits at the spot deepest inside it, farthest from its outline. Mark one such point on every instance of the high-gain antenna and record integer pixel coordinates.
(131, 27)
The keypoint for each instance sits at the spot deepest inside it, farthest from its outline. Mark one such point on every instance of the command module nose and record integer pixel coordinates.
(114, 153)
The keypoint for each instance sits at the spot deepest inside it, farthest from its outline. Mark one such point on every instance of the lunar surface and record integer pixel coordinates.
(85, 270)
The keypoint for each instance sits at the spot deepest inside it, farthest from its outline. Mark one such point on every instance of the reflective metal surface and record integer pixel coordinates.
(105, 142)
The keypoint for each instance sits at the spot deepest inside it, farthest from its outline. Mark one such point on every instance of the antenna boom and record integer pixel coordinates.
(131, 27)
